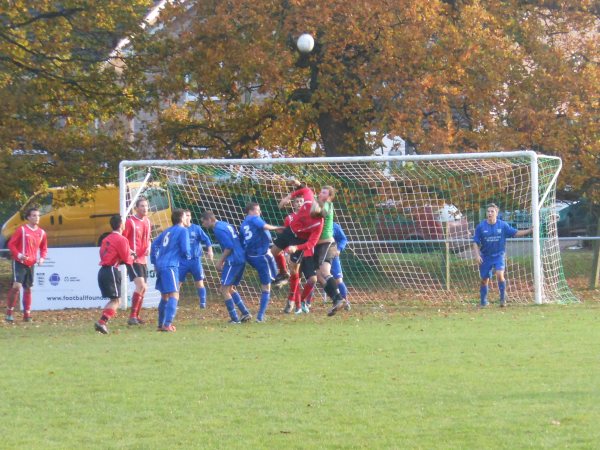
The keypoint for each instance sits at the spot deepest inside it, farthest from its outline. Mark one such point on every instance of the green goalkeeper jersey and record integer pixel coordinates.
(328, 225)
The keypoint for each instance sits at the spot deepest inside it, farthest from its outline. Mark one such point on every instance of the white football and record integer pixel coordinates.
(305, 43)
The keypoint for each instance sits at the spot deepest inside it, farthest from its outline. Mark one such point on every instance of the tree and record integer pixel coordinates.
(56, 83)
(223, 78)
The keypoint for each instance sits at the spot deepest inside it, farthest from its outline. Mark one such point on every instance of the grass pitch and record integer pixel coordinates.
(520, 377)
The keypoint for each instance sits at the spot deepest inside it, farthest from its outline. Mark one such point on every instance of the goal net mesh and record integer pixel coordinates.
(409, 222)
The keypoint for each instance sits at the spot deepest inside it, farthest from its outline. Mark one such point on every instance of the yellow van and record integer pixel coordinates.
(85, 225)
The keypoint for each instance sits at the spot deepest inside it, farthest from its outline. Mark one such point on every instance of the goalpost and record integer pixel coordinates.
(409, 219)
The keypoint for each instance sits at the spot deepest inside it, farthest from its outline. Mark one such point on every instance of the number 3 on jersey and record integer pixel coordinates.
(247, 233)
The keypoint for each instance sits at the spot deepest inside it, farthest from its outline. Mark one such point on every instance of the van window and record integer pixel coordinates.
(158, 199)
(43, 202)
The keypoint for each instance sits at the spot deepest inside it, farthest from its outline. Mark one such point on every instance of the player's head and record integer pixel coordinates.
(187, 218)
(295, 184)
(177, 216)
(141, 206)
(32, 215)
(492, 212)
(297, 203)
(327, 194)
(116, 222)
(208, 219)
(253, 209)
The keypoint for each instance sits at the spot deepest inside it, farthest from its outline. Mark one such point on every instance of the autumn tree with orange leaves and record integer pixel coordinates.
(224, 79)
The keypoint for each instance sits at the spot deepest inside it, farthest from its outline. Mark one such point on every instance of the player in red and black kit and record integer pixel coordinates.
(24, 245)
(114, 251)
(303, 231)
(137, 232)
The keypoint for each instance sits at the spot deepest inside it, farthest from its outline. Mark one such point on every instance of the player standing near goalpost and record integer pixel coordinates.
(137, 232)
(194, 265)
(114, 251)
(231, 265)
(256, 240)
(489, 248)
(336, 266)
(24, 245)
(168, 249)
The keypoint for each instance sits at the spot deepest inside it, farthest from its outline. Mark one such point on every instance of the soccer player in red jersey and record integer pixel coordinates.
(24, 245)
(295, 261)
(114, 251)
(137, 232)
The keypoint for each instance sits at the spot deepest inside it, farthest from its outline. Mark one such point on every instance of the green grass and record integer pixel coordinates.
(524, 377)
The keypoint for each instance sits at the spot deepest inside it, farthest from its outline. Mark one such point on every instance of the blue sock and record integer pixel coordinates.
(170, 310)
(265, 296)
(502, 289)
(161, 312)
(202, 297)
(239, 303)
(343, 290)
(483, 291)
(231, 310)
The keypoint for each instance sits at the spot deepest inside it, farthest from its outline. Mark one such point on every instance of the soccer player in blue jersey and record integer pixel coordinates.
(490, 247)
(198, 238)
(231, 265)
(256, 239)
(167, 250)
(336, 267)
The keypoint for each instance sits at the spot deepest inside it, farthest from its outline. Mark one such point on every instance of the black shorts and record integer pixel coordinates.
(308, 268)
(287, 238)
(109, 281)
(325, 252)
(137, 270)
(22, 274)
(297, 256)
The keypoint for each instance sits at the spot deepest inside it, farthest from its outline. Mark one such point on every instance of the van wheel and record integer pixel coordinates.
(101, 238)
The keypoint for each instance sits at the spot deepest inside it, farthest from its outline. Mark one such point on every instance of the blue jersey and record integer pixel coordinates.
(170, 247)
(228, 238)
(255, 238)
(198, 238)
(492, 238)
(339, 237)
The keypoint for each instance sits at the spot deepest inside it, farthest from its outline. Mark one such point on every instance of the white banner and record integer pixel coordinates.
(69, 279)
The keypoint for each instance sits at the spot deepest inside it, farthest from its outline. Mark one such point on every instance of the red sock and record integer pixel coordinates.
(139, 306)
(297, 295)
(26, 302)
(135, 301)
(281, 264)
(107, 314)
(307, 292)
(294, 285)
(11, 300)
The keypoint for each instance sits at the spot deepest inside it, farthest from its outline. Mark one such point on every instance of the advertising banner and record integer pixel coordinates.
(69, 279)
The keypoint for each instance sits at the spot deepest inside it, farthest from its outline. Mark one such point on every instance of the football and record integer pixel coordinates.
(305, 43)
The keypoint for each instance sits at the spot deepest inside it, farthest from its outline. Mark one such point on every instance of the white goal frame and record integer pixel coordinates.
(532, 156)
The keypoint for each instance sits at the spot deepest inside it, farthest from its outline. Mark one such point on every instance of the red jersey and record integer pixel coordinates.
(137, 232)
(287, 220)
(27, 241)
(306, 193)
(115, 250)
(306, 227)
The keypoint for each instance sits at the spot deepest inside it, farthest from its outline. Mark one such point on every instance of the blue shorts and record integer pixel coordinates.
(265, 266)
(491, 263)
(193, 266)
(336, 268)
(232, 274)
(167, 280)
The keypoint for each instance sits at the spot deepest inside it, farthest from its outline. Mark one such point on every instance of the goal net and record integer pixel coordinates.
(409, 220)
